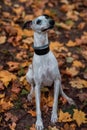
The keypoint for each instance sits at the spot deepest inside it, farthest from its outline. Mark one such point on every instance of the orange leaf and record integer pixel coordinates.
(5, 105)
(33, 113)
(71, 43)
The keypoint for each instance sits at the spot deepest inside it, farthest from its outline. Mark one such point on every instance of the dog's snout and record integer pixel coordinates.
(51, 22)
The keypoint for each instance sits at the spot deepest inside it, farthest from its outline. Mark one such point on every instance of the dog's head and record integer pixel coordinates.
(40, 24)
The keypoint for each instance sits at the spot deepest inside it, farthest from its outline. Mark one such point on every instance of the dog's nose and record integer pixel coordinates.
(51, 22)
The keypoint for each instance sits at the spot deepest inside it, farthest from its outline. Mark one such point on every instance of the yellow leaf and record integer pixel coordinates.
(5, 105)
(2, 39)
(55, 45)
(64, 117)
(77, 64)
(71, 43)
(79, 117)
(6, 77)
(78, 83)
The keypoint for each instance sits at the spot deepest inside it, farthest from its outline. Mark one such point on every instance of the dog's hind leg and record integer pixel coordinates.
(29, 77)
(55, 104)
(70, 100)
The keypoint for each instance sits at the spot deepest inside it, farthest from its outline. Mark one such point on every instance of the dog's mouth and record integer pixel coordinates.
(45, 29)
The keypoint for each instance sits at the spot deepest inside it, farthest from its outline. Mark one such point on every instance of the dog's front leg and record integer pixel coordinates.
(55, 104)
(39, 123)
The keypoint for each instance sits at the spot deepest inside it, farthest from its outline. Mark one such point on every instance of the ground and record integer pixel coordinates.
(68, 41)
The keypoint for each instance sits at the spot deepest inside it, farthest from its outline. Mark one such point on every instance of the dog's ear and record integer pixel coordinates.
(27, 24)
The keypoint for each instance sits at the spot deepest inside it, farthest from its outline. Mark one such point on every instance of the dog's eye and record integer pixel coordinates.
(38, 21)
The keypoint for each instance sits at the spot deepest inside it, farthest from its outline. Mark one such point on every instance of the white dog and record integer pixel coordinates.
(44, 69)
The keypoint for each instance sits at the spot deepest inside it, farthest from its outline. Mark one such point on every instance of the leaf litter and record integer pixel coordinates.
(68, 43)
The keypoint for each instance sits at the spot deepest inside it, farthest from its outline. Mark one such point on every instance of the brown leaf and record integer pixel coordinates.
(1, 86)
(10, 116)
(82, 96)
(13, 65)
(16, 87)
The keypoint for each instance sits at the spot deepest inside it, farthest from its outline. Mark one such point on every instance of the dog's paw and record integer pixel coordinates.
(54, 117)
(39, 125)
(29, 97)
(71, 102)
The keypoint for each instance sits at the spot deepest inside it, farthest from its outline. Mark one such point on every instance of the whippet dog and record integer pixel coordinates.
(44, 69)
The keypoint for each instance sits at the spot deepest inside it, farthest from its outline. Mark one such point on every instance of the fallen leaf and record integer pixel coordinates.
(82, 96)
(18, 9)
(5, 105)
(55, 45)
(64, 117)
(78, 83)
(53, 128)
(71, 43)
(70, 71)
(72, 15)
(81, 25)
(50, 101)
(33, 127)
(6, 77)
(13, 65)
(1, 86)
(63, 100)
(69, 59)
(69, 127)
(33, 113)
(2, 39)
(79, 117)
(64, 26)
(10, 116)
(12, 126)
(78, 64)
(2, 95)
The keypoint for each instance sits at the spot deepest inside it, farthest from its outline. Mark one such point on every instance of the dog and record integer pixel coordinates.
(44, 69)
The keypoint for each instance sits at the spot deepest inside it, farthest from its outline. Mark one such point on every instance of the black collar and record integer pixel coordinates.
(42, 50)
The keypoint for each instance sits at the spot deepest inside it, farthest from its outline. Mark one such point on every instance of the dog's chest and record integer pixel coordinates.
(45, 68)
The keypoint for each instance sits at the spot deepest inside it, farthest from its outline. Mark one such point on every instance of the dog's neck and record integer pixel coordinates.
(40, 39)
